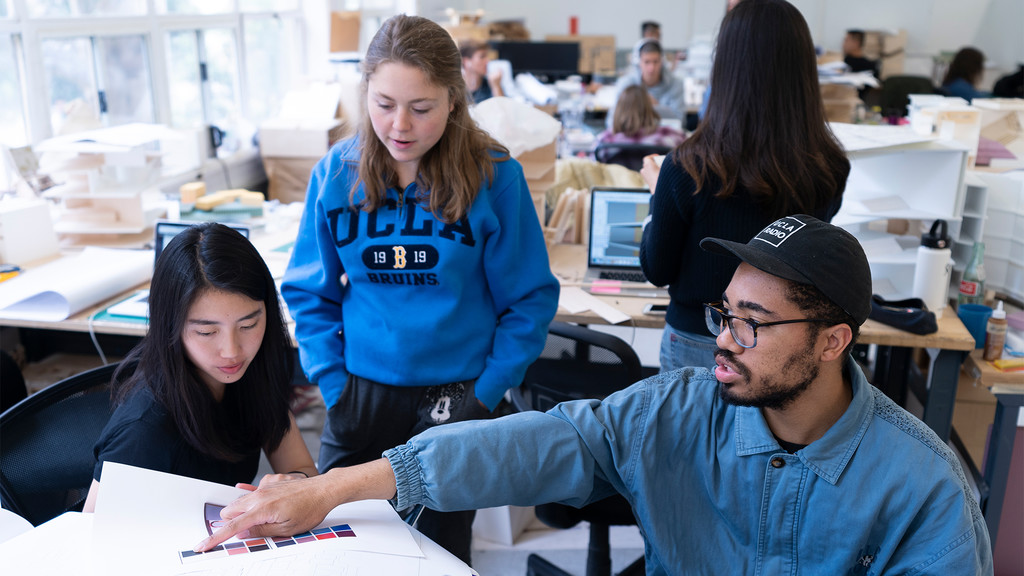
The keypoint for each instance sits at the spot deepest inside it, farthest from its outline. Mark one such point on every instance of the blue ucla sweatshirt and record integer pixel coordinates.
(425, 303)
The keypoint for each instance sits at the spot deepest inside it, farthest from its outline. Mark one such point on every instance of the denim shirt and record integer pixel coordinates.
(712, 490)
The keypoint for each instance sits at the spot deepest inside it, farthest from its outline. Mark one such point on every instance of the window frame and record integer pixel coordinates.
(153, 27)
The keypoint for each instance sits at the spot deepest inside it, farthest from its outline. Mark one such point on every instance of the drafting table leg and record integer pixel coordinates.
(1000, 454)
(943, 377)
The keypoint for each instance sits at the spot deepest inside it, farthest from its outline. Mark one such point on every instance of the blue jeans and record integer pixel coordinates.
(681, 349)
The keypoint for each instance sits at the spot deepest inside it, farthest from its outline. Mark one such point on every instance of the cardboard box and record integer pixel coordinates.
(345, 31)
(888, 49)
(305, 138)
(288, 178)
(503, 524)
(1002, 120)
(462, 32)
(832, 91)
(539, 169)
(973, 414)
(597, 53)
(841, 110)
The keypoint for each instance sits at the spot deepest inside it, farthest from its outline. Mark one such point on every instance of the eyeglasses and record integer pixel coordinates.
(744, 332)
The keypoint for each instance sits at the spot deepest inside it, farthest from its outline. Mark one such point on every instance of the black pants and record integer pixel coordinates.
(370, 417)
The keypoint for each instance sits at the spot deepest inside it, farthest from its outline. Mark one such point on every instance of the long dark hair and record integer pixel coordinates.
(454, 169)
(967, 64)
(205, 257)
(765, 127)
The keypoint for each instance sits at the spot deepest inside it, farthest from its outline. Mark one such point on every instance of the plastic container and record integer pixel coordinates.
(995, 334)
(934, 264)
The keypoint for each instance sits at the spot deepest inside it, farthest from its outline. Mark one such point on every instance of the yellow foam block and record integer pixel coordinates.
(191, 191)
(244, 197)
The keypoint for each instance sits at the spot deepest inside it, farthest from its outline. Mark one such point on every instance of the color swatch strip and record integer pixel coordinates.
(260, 544)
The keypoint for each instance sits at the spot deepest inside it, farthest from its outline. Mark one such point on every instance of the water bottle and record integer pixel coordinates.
(934, 264)
(972, 284)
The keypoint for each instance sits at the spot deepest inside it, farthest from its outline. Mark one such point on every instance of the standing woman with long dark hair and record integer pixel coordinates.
(208, 387)
(419, 283)
(762, 151)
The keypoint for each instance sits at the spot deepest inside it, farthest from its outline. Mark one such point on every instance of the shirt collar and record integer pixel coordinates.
(827, 456)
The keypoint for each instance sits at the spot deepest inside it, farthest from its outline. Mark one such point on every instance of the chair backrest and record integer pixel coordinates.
(576, 363)
(46, 445)
(896, 90)
(630, 155)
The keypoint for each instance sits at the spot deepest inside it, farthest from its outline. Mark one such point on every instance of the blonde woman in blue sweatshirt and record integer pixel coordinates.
(419, 283)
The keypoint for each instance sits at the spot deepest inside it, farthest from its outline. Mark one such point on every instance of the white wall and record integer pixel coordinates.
(996, 27)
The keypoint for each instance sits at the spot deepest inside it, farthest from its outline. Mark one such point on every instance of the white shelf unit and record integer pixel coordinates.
(919, 183)
(1004, 232)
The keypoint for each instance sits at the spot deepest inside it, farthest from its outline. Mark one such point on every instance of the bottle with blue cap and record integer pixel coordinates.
(934, 265)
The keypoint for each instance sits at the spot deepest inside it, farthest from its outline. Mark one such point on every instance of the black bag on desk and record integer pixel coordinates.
(911, 314)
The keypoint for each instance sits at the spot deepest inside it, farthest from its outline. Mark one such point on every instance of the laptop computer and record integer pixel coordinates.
(137, 305)
(613, 256)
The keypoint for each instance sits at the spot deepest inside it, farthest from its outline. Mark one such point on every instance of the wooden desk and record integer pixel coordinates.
(268, 240)
(947, 347)
(1008, 388)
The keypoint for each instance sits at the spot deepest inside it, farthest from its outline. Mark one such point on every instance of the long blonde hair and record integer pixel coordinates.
(452, 172)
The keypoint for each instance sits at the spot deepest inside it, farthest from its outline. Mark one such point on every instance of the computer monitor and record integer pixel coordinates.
(548, 61)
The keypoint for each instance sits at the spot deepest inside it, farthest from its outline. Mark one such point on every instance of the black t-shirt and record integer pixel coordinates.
(141, 433)
(861, 64)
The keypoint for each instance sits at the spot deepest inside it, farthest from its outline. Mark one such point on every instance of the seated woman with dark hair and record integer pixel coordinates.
(964, 73)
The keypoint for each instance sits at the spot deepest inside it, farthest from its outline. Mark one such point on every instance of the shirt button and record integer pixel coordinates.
(778, 462)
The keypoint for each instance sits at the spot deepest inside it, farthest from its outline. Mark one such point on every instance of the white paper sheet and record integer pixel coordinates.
(145, 520)
(855, 137)
(54, 291)
(575, 300)
(59, 547)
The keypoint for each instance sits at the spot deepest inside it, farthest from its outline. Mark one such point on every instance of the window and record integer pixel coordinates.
(68, 65)
(66, 8)
(205, 80)
(195, 6)
(268, 68)
(267, 5)
(12, 120)
(97, 81)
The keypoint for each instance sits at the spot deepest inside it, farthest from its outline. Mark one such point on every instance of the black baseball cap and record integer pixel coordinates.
(806, 250)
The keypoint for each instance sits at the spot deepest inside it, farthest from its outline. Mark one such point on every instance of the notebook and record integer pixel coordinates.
(616, 227)
(137, 305)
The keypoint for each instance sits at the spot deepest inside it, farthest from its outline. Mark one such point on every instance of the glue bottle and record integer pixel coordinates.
(995, 334)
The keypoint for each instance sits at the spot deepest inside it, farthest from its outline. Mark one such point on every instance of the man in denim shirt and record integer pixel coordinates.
(784, 460)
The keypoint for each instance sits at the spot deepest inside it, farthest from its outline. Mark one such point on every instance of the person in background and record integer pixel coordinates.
(479, 84)
(964, 73)
(763, 151)
(664, 88)
(420, 283)
(853, 53)
(637, 122)
(1011, 85)
(783, 460)
(208, 387)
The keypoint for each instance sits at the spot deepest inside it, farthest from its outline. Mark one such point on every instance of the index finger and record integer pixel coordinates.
(232, 527)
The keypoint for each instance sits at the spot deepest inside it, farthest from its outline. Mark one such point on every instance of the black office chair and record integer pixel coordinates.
(578, 363)
(895, 92)
(626, 154)
(46, 442)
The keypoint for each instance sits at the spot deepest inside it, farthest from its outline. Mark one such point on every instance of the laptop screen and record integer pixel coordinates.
(164, 231)
(617, 225)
